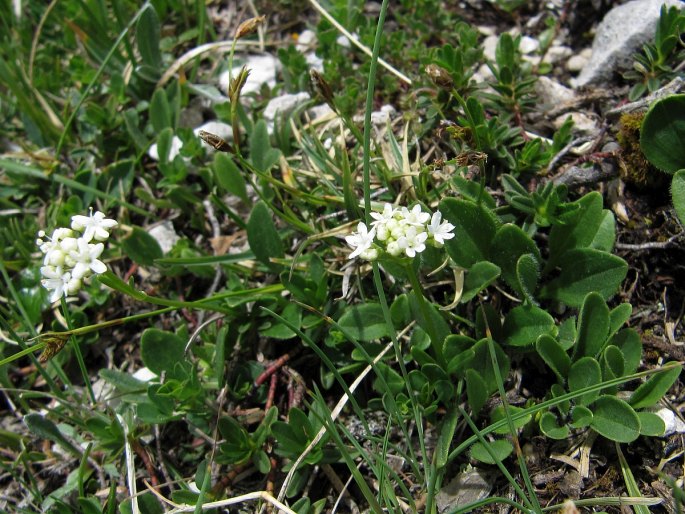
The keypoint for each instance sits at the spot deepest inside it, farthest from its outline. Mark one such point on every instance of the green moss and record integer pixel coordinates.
(636, 168)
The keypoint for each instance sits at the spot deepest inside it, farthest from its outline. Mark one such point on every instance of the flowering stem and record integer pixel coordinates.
(429, 325)
(77, 352)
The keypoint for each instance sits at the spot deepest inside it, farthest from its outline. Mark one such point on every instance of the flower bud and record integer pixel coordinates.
(248, 27)
(439, 76)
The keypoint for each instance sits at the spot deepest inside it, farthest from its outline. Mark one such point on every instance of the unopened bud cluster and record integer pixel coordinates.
(398, 232)
(72, 254)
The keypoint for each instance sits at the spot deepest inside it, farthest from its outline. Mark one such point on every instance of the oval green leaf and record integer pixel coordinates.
(663, 132)
(615, 419)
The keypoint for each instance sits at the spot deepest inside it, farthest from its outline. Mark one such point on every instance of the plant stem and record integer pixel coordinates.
(77, 352)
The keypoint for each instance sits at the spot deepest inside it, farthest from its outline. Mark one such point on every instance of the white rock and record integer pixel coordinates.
(314, 61)
(283, 105)
(551, 94)
(263, 69)
(306, 41)
(343, 41)
(319, 111)
(577, 62)
(673, 423)
(490, 46)
(528, 45)
(487, 30)
(622, 32)
(165, 235)
(176, 145)
(582, 123)
(557, 52)
(144, 375)
(380, 117)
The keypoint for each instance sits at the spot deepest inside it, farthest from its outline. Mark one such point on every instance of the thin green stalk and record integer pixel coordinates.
(77, 351)
(498, 462)
(512, 429)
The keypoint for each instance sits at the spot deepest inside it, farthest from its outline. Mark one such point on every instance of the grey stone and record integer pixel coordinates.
(467, 487)
(621, 33)
(283, 105)
(551, 94)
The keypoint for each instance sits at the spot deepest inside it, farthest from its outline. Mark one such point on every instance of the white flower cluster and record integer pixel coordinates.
(398, 231)
(70, 254)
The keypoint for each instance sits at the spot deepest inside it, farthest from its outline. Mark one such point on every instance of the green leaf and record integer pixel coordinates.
(160, 350)
(236, 446)
(263, 237)
(606, 233)
(500, 448)
(549, 425)
(364, 322)
(655, 387)
(476, 391)
(228, 176)
(147, 37)
(628, 341)
(164, 142)
(478, 277)
(436, 323)
(615, 419)
(262, 155)
(475, 228)
(618, 316)
(141, 247)
(46, 429)
(593, 327)
(651, 424)
(445, 437)
(554, 355)
(613, 362)
(581, 417)
(160, 111)
(527, 276)
(663, 132)
(584, 373)
(678, 194)
(509, 244)
(525, 323)
(579, 232)
(583, 271)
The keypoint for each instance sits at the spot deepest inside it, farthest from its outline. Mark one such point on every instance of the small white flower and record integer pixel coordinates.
(59, 282)
(413, 241)
(86, 259)
(95, 226)
(360, 240)
(416, 216)
(440, 231)
(382, 218)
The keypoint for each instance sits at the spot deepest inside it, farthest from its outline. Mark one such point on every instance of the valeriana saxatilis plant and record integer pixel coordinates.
(402, 234)
(73, 254)
(399, 232)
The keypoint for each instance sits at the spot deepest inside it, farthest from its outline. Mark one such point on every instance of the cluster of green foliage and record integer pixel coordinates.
(549, 252)
(660, 59)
